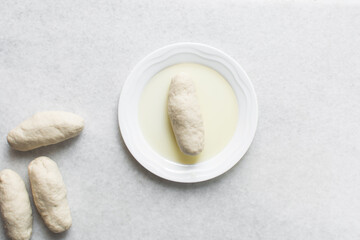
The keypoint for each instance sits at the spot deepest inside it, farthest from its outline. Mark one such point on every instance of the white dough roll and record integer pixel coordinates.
(185, 114)
(45, 128)
(15, 206)
(49, 193)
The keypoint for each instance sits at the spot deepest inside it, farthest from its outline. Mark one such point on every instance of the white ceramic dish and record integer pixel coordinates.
(165, 57)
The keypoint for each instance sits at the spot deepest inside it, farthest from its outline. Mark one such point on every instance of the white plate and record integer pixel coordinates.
(165, 57)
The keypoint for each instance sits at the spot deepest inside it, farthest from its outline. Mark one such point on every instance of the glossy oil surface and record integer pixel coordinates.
(218, 105)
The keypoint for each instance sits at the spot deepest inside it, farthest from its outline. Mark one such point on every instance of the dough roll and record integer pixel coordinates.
(45, 128)
(49, 194)
(185, 114)
(15, 206)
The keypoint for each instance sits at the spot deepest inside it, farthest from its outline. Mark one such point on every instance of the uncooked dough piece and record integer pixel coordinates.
(45, 128)
(49, 194)
(15, 206)
(185, 114)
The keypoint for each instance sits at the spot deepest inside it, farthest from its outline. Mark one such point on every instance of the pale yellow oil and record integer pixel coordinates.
(218, 106)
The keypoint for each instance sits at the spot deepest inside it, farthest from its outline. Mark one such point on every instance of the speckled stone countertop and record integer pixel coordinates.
(300, 178)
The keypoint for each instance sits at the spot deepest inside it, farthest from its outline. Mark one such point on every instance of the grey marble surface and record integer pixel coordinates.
(300, 178)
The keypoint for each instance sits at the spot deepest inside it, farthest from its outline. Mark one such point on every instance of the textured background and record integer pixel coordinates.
(300, 178)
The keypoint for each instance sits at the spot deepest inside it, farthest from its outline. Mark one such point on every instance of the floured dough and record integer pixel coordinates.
(49, 194)
(45, 128)
(15, 206)
(185, 114)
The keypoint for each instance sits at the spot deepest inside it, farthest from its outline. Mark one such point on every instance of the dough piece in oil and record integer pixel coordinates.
(185, 114)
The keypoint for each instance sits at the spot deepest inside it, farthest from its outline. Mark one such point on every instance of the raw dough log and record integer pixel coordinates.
(49, 194)
(185, 114)
(45, 128)
(15, 206)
